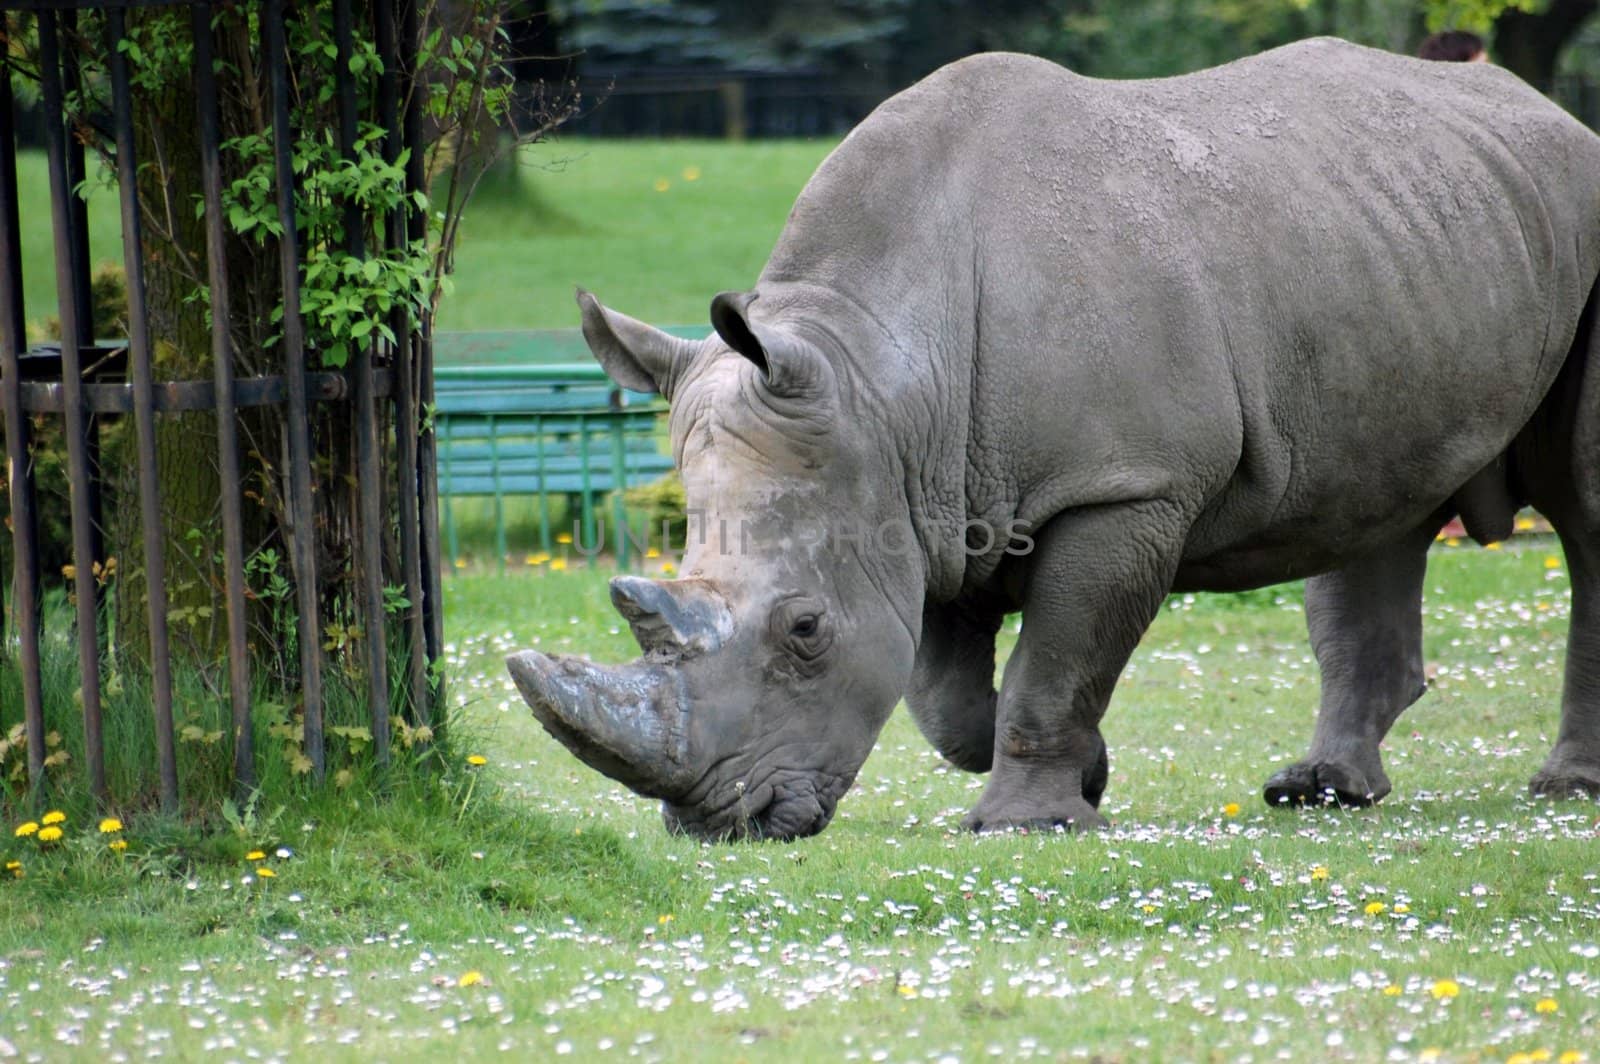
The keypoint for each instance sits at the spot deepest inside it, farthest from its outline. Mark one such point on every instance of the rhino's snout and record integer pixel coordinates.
(780, 809)
(625, 721)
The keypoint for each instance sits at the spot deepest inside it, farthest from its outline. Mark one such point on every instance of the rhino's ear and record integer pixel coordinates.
(790, 367)
(637, 356)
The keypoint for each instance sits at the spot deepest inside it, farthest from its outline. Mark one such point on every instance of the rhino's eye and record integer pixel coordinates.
(802, 628)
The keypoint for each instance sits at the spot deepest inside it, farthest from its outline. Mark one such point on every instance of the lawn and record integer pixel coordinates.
(531, 907)
(655, 228)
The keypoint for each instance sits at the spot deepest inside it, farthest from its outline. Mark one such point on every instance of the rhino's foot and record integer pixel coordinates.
(1566, 777)
(1324, 783)
(1073, 815)
(1057, 793)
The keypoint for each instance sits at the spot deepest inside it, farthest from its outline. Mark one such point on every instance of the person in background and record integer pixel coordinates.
(1454, 46)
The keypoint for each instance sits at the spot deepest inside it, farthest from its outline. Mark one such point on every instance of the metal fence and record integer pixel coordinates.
(735, 105)
(75, 384)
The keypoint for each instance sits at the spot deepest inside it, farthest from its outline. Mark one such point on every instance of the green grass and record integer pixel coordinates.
(563, 214)
(38, 245)
(1185, 933)
(589, 213)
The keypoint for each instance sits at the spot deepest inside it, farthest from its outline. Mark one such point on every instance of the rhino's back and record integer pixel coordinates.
(1315, 290)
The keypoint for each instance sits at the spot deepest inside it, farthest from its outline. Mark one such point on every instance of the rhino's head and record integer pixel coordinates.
(770, 667)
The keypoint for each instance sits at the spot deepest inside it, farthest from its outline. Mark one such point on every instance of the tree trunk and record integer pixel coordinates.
(167, 141)
(1529, 45)
(168, 149)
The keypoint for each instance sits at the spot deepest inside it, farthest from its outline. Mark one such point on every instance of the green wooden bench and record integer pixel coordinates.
(552, 428)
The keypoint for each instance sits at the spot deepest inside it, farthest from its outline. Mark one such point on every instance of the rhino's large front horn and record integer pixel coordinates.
(626, 721)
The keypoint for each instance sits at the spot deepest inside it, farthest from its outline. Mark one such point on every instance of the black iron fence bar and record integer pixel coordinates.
(302, 511)
(19, 464)
(72, 82)
(66, 249)
(49, 397)
(144, 415)
(427, 447)
(405, 404)
(224, 398)
(83, 304)
(369, 475)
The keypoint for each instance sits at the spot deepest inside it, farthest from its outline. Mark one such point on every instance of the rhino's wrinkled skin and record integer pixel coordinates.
(1278, 319)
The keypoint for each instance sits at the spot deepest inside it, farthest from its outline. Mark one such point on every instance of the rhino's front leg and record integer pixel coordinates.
(952, 696)
(1366, 630)
(1096, 580)
(1573, 767)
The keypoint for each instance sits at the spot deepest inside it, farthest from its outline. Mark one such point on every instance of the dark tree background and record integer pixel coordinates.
(875, 47)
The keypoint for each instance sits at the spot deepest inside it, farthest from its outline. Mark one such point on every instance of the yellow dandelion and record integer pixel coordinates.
(477, 760)
(110, 826)
(1545, 1006)
(1496, 545)
(1524, 524)
(461, 563)
(1231, 809)
(667, 568)
(906, 991)
(24, 830)
(1552, 562)
(1392, 990)
(653, 552)
(266, 873)
(49, 834)
(662, 184)
(1519, 1058)
(1430, 1054)
(15, 868)
(1445, 989)
(536, 559)
(54, 816)
(1319, 872)
(691, 173)
(1147, 908)
(558, 565)
(1375, 907)
(1452, 541)
(1402, 907)
(255, 855)
(118, 844)
(664, 919)
(1571, 1056)
(564, 537)
(472, 978)
(1540, 1054)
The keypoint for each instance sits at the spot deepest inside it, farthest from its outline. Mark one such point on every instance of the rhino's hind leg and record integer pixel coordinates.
(1097, 578)
(952, 695)
(1573, 767)
(1366, 630)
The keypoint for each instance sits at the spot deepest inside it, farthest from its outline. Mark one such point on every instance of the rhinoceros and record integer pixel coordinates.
(1077, 344)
